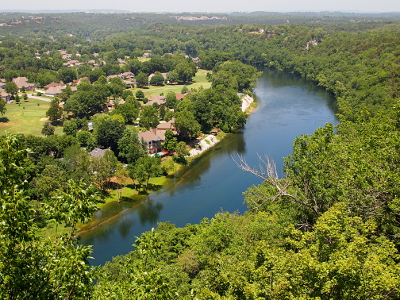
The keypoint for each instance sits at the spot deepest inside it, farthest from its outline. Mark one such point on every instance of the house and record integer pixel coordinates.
(153, 139)
(53, 91)
(23, 82)
(66, 56)
(167, 126)
(5, 96)
(130, 83)
(54, 84)
(112, 103)
(97, 152)
(127, 75)
(160, 100)
(180, 96)
(74, 62)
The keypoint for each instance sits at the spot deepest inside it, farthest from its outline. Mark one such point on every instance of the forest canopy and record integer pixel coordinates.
(328, 229)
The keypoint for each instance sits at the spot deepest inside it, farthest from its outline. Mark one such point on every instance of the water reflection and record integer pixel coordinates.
(124, 227)
(288, 107)
(149, 212)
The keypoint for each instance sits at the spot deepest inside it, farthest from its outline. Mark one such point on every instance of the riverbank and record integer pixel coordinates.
(288, 106)
(128, 197)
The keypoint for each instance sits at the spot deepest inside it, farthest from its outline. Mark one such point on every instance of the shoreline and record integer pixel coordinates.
(206, 143)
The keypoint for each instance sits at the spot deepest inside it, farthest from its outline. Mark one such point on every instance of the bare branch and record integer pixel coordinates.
(267, 171)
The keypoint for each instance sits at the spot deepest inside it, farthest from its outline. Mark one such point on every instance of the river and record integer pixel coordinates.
(288, 106)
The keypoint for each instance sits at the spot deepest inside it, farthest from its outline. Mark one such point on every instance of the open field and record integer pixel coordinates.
(198, 81)
(25, 118)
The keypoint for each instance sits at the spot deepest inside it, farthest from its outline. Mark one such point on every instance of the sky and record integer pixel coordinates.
(216, 6)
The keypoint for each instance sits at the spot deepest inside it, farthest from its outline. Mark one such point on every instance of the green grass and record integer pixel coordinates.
(25, 117)
(198, 81)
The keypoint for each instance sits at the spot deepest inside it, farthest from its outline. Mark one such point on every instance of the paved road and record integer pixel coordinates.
(40, 98)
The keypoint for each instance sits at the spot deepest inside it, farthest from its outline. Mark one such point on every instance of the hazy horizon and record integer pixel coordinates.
(206, 6)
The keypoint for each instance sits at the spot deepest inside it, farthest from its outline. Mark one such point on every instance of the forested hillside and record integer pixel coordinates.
(328, 230)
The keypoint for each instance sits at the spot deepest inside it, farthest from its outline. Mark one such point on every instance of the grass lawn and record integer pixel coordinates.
(198, 81)
(25, 118)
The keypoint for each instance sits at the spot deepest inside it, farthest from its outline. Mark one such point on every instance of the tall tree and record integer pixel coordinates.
(145, 167)
(67, 75)
(11, 88)
(48, 129)
(109, 132)
(142, 80)
(170, 141)
(149, 117)
(55, 110)
(186, 125)
(130, 146)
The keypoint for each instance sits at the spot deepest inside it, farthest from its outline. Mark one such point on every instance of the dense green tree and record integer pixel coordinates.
(184, 89)
(11, 88)
(170, 100)
(96, 74)
(109, 132)
(45, 77)
(110, 69)
(242, 77)
(208, 59)
(65, 93)
(55, 110)
(67, 75)
(126, 94)
(48, 129)
(172, 77)
(130, 146)
(135, 66)
(17, 99)
(186, 71)
(104, 168)
(84, 71)
(87, 100)
(85, 138)
(49, 182)
(170, 141)
(70, 127)
(45, 267)
(128, 111)
(141, 80)
(157, 79)
(149, 117)
(139, 95)
(144, 168)
(162, 112)
(186, 125)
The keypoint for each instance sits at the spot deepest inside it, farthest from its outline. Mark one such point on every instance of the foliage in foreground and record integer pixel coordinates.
(31, 266)
(257, 256)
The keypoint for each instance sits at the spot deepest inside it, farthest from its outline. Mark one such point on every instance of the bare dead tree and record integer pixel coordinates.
(266, 170)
